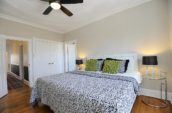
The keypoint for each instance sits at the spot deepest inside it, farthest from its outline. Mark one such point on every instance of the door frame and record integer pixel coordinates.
(3, 85)
(30, 54)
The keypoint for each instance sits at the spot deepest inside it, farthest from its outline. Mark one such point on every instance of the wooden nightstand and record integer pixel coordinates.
(155, 102)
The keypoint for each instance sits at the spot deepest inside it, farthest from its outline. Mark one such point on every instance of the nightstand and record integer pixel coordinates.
(157, 103)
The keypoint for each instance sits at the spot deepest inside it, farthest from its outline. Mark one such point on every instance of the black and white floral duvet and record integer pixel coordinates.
(86, 92)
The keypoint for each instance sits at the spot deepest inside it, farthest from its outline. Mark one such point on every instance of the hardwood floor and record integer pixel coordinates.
(17, 101)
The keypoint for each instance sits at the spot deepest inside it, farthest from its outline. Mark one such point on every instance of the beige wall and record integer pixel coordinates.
(25, 53)
(13, 48)
(25, 31)
(170, 19)
(143, 29)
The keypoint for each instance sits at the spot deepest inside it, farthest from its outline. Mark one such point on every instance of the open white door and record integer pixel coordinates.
(70, 56)
(3, 76)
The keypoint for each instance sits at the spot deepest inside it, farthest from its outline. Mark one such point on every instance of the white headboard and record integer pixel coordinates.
(132, 57)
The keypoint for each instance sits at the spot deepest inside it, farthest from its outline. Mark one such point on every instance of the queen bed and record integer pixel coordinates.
(89, 92)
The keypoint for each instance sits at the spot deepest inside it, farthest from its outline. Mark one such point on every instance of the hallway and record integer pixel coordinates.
(17, 63)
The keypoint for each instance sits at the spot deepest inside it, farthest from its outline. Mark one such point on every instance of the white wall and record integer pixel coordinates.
(143, 29)
(8, 56)
(25, 31)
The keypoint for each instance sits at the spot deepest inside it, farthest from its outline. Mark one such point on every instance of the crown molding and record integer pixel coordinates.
(112, 13)
(11, 18)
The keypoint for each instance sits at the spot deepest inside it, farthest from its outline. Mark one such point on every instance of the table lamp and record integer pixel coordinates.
(79, 62)
(150, 61)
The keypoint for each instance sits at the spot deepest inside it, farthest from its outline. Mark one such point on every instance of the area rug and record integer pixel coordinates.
(13, 82)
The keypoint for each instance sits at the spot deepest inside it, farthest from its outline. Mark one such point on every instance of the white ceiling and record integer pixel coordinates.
(30, 12)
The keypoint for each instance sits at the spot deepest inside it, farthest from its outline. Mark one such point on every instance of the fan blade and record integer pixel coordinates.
(47, 11)
(48, 0)
(71, 1)
(66, 11)
(45, 0)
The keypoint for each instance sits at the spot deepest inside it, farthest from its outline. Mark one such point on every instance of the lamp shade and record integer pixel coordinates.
(78, 62)
(149, 60)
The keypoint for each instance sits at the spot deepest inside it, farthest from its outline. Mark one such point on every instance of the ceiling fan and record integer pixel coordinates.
(57, 4)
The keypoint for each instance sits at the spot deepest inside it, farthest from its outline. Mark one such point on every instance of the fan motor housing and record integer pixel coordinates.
(71, 1)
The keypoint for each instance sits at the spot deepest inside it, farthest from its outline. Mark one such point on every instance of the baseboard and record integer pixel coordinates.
(3, 93)
(25, 81)
(155, 93)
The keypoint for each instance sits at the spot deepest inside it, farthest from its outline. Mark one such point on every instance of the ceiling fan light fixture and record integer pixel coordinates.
(55, 5)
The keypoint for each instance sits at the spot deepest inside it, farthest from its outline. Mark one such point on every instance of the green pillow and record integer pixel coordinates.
(111, 66)
(91, 65)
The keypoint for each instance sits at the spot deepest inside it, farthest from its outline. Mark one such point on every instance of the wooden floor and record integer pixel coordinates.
(17, 101)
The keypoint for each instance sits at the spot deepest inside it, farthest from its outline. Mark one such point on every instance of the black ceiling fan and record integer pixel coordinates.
(57, 4)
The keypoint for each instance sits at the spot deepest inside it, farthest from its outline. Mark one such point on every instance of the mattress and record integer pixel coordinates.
(135, 75)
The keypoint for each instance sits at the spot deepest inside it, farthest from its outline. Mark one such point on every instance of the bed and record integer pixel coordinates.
(89, 92)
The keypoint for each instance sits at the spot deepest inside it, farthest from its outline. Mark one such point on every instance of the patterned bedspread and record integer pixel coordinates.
(86, 92)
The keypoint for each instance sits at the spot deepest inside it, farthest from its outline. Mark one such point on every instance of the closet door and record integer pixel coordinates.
(61, 57)
(57, 58)
(3, 76)
(48, 58)
(52, 58)
(41, 58)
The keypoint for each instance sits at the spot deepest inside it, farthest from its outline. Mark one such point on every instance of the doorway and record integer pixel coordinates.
(17, 62)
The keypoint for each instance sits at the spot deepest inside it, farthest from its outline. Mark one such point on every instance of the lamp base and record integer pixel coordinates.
(155, 102)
